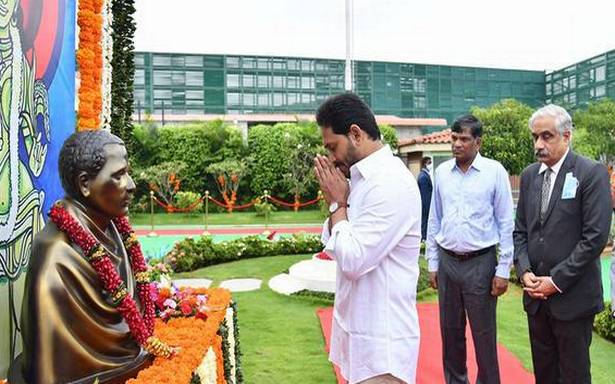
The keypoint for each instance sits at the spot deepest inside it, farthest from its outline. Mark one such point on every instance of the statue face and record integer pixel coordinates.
(111, 190)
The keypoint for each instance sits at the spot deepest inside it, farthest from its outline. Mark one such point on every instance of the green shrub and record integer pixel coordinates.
(264, 209)
(423, 281)
(190, 254)
(514, 278)
(188, 199)
(188, 257)
(298, 243)
(389, 136)
(318, 295)
(604, 323)
(140, 204)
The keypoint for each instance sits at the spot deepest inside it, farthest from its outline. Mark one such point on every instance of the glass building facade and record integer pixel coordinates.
(578, 84)
(230, 84)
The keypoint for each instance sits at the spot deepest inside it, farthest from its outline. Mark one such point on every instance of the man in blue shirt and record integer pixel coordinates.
(426, 188)
(471, 212)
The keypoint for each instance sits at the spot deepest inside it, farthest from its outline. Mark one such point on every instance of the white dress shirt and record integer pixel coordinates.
(375, 324)
(471, 211)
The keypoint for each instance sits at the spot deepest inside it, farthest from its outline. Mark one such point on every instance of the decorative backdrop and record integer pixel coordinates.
(37, 112)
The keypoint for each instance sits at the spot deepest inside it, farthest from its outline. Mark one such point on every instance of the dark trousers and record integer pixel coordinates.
(424, 221)
(464, 288)
(560, 349)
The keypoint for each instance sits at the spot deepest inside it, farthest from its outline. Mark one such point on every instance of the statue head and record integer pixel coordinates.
(94, 171)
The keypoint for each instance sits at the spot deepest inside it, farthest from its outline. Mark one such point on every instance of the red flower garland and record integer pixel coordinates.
(141, 326)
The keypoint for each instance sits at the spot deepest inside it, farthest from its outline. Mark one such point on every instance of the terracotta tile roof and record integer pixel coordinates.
(441, 137)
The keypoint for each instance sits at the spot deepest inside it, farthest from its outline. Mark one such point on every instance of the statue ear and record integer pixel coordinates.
(83, 182)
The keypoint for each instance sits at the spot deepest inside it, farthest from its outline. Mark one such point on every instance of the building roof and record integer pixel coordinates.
(441, 137)
(282, 117)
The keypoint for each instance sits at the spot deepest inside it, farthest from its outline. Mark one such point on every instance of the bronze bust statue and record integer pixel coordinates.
(71, 331)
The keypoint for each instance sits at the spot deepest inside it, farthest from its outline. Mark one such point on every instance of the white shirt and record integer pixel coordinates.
(471, 211)
(375, 324)
(555, 168)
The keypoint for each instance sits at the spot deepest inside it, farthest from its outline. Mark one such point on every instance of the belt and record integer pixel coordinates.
(467, 255)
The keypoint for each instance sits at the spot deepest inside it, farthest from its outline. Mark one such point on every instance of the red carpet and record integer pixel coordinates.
(429, 369)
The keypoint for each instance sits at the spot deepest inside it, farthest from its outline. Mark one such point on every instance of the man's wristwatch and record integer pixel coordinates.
(333, 207)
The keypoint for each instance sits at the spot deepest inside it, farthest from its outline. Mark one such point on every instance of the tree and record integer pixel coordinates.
(165, 179)
(146, 139)
(300, 176)
(228, 174)
(274, 152)
(506, 134)
(595, 135)
(200, 145)
(389, 136)
(123, 73)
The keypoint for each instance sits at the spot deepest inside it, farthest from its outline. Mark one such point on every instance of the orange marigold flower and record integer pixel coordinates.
(194, 336)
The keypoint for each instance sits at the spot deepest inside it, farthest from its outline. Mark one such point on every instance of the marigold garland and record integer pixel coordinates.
(181, 331)
(90, 61)
(141, 326)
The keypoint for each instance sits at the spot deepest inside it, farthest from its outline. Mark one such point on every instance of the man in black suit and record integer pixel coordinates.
(425, 187)
(563, 220)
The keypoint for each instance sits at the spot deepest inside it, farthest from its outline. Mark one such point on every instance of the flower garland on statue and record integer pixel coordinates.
(141, 326)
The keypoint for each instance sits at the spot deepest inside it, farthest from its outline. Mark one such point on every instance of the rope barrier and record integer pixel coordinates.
(171, 208)
(280, 202)
(296, 204)
(248, 205)
(218, 203)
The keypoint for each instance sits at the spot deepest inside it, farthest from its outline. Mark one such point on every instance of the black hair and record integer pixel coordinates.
(83, 151)
(468, 121)
(339, 112)
(424, 161)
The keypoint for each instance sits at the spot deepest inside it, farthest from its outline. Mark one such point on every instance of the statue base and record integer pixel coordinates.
(115, 376)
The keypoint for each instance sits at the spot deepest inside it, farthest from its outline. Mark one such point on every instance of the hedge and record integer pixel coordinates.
(190, 254)
(604, 323)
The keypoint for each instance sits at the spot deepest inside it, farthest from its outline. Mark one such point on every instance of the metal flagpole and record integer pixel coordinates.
(349, 41)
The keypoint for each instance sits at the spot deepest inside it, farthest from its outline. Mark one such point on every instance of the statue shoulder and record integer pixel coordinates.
(50, 247)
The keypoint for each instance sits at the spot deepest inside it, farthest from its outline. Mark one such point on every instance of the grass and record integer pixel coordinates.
(235, 218)
(282, 341)
(513, 333)
(280, 336)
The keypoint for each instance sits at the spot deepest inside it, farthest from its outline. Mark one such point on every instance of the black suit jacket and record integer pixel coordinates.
(568, 244)
(425, 188)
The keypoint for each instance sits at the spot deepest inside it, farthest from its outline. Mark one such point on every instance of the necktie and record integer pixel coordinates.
(544, 196)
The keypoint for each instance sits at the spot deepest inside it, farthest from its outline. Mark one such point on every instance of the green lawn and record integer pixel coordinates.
(280, 336)
(282, 341)
(513, 333)
(235, 218)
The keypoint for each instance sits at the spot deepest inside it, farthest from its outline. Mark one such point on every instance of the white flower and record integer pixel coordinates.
(231, 341)
(207, 369)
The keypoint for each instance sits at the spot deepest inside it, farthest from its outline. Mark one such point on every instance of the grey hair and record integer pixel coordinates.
(563, 121)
